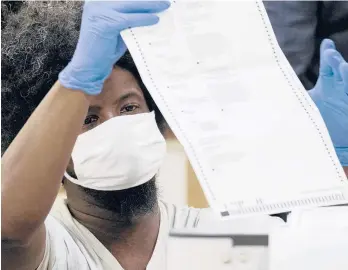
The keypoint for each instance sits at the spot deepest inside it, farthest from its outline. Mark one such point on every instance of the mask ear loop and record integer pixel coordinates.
(70, 178)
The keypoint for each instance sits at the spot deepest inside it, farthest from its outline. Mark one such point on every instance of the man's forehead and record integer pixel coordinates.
(120, 83)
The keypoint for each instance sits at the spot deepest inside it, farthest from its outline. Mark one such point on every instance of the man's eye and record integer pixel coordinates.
(90, 119)
(129, 108)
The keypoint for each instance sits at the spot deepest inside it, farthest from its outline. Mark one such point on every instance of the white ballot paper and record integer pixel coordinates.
(253, 135)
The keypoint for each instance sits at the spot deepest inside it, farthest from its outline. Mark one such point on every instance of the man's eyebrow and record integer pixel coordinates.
(127, 96)
(97, 108)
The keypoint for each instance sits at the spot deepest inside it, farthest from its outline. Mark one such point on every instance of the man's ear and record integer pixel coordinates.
(70, 169)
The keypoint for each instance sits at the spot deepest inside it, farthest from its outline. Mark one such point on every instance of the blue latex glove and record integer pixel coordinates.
(330, 94)
(100, 44)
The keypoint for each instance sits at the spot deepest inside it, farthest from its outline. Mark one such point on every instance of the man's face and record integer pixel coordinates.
(121, 96)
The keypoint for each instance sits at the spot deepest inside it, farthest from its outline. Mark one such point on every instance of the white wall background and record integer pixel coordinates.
(172, 178)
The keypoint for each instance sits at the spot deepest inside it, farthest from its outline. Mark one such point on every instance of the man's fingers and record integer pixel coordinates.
(334, 60)
(344, 74)
(141, 6)
(324, 68)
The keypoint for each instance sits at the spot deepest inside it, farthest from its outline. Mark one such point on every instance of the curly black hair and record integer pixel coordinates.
(38, 40)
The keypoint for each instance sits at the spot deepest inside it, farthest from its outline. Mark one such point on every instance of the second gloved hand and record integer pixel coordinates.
(330, 94)
(100, 44)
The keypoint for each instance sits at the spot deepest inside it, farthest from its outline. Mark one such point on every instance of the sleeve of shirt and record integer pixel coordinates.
(294, 24)
(61, 252)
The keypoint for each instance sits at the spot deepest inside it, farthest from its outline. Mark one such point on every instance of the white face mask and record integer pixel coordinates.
(121, 153)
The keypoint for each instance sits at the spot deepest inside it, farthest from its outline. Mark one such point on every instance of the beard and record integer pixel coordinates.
(128, 204)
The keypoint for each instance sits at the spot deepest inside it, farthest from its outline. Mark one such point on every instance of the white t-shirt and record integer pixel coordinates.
(70, 245)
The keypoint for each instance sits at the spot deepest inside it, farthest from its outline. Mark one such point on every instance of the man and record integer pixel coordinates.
(300, 26)
(96, 128)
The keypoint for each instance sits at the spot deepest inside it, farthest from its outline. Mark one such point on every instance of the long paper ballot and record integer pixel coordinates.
(253, 135)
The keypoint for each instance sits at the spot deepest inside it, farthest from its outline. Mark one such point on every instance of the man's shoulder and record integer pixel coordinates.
(189, 217)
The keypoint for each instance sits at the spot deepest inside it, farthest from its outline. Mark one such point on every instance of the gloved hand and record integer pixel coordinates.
(100, 44)
(330, 94)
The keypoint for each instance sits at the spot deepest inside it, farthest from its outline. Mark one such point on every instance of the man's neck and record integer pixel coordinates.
(132, 244)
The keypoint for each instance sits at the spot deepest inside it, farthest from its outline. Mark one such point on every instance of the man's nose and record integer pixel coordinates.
(108, 114)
